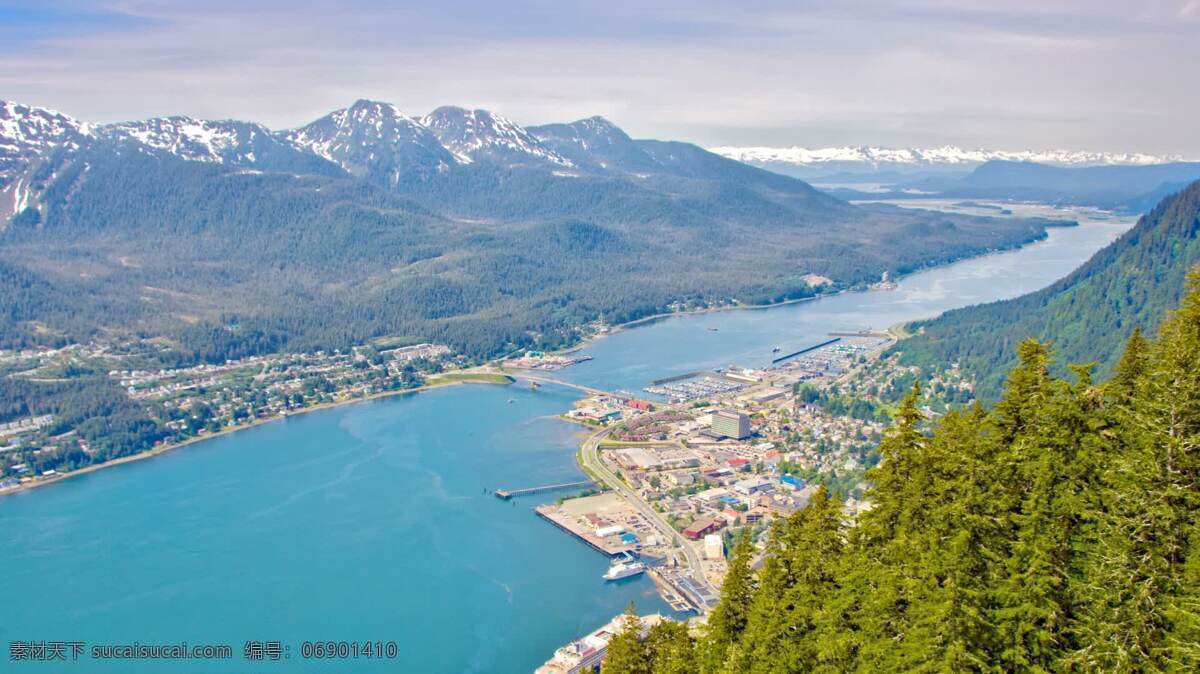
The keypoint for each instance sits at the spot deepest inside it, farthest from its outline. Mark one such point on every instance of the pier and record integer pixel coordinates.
(509, 493)
(678, 377)
(610, 547)
(862, 333)
(814, 347)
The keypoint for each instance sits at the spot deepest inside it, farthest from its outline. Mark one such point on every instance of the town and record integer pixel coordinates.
(168, 406)
(721, 454)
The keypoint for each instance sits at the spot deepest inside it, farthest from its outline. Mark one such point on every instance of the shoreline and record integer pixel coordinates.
(163, 449)
(619, 327)
(584, 343)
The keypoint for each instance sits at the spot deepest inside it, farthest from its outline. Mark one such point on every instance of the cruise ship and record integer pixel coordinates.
(586, 654)
(624, 569)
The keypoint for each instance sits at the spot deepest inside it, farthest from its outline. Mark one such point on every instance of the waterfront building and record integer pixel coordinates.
(731, 424)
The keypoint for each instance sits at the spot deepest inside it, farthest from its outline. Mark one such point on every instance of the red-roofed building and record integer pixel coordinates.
(696, 530)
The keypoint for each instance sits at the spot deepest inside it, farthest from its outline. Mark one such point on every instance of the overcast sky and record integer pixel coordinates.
(1116, 75)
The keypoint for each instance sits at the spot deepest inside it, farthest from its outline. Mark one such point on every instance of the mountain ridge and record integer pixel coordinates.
(1086, 315)
(192, 231)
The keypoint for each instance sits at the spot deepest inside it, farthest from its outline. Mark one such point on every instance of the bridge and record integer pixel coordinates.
(506, 494)
(542, 379)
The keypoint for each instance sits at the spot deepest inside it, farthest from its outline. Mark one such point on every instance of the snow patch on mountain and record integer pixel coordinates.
(948, 154)
(27, 131)
(193, 139)
(473, 134)
(356, 135)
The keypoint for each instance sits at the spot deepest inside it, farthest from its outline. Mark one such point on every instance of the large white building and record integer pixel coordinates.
(731, 424)
(714, 547)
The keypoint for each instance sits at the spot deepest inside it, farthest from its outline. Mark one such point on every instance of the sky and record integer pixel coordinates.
(1101, 75)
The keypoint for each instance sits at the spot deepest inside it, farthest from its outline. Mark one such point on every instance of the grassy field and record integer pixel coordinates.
(474, 377)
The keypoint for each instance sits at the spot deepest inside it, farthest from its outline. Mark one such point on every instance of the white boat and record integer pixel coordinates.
(624, 570)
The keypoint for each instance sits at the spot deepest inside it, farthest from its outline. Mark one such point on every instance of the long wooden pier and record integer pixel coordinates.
(509, 493)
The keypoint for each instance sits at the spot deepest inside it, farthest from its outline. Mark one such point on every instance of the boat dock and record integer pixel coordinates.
(677, 600)
(509, 493)
(814, 347)
(678, 377)
(862, 333)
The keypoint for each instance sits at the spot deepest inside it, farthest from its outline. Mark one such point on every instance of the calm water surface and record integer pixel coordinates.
(372, 521)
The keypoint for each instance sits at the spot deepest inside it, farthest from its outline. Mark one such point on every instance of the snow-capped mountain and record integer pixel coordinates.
(473, 135)
(194, 139)
(374, 138)
(846, 158)
(595, 142)
(228, 142)
(27, 132)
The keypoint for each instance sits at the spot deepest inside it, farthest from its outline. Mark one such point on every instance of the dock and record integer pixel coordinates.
(509, 493)
(677, 600)
(862, 333)
(610, 547)
(814, 347)
(678, 377)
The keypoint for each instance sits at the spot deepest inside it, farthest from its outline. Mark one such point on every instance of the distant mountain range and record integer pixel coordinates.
(1087, 315)
(458, 226)
(1123, 188)
(860, 163)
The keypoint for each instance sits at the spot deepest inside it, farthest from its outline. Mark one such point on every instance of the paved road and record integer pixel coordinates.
(590, 458)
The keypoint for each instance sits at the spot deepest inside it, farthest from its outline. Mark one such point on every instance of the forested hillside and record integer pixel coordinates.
(1084, 317)
(229, 240)
(1057, 531)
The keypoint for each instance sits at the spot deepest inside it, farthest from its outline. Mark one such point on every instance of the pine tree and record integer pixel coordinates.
(881, 582)
(769, 620)
(671, 648)
(1055, 472)
(1130, 368)
(627, 653)
(952, 562)
(728, 619)
(814, 560)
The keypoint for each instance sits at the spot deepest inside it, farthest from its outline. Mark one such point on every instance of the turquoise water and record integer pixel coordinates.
(373, 521)
(630, 359)
(367, 522)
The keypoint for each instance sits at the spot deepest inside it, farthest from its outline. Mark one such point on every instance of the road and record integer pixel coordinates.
(590, 459)
(543, 379)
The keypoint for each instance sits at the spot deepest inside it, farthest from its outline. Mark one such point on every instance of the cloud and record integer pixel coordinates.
(1104, 75)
